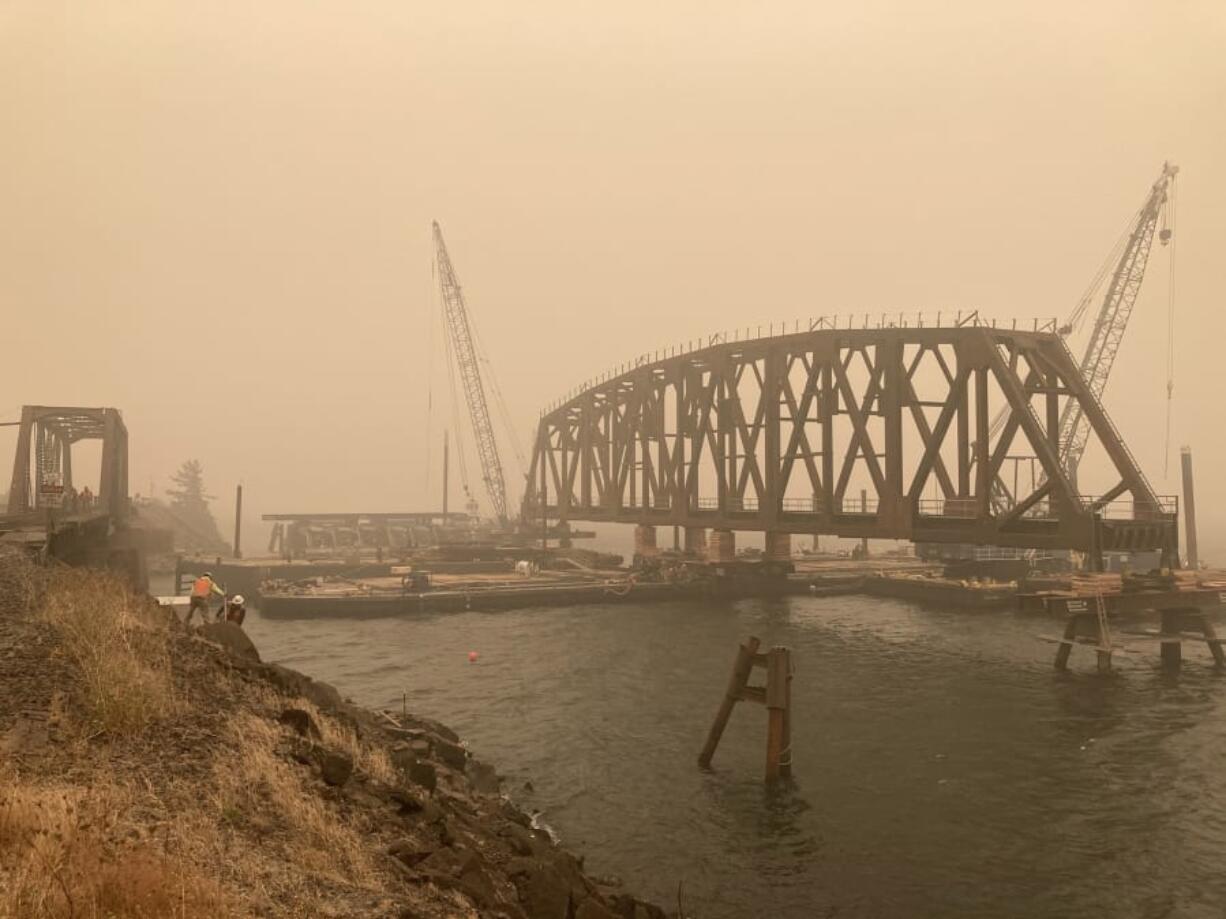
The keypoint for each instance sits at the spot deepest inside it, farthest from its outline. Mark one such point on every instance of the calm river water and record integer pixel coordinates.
(942, 768)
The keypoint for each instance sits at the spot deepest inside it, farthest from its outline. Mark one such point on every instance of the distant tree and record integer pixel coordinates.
(190, 501)
(190, 496)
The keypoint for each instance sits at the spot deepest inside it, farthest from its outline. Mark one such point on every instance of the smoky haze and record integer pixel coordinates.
(217, 216)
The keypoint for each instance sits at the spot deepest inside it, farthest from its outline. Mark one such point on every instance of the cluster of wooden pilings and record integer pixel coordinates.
(776, 695)
(1091, 628)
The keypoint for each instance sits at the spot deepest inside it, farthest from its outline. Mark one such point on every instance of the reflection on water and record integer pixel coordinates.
(941, 767)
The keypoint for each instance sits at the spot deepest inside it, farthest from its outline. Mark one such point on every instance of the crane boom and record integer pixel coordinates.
(465, 351)
(1112, 320)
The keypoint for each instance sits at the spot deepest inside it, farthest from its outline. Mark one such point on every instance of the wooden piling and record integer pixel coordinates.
(1065, 648)
(777, 743)
(1172, 643)
(238, 521)
(1211, 639)
(736, 685)
(776, 696)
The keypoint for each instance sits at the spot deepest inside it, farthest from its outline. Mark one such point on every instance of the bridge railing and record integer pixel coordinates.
(940, 319)
(1128, 509)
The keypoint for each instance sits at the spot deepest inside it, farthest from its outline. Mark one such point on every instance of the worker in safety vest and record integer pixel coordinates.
(203, 589)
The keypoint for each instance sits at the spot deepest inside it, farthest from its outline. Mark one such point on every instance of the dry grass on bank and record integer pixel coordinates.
(76, 850)
(167, 789)
(62, 860)
(255, 782)
(119, 645)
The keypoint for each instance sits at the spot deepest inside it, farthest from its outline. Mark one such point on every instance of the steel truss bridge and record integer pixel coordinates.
(878, 431)
(46, 513)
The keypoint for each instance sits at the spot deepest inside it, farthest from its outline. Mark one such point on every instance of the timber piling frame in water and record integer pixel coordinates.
(1086, 627)
(776, 695)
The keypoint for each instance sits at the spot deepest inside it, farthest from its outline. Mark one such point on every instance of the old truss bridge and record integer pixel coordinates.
(897, 429)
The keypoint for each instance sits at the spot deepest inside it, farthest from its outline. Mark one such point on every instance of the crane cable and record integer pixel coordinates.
(1078, 315)
(433, 305)
(452, 373)
(1171, 215)
(500, 402)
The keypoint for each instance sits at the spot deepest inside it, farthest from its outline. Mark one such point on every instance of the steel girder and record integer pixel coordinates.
(49, 433)
(773, 434)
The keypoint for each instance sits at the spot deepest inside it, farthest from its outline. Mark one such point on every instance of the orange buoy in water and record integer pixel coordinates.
(472, 657)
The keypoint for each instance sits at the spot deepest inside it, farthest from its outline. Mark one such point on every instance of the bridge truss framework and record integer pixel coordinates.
(771, 433)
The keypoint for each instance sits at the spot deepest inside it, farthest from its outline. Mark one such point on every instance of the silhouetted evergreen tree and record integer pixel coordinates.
(190, 501)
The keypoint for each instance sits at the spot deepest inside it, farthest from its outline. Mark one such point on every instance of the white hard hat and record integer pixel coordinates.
(238, 598)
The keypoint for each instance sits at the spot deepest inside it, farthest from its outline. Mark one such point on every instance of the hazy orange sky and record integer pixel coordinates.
(216, 216)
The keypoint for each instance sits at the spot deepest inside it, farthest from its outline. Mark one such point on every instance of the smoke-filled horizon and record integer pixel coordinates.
(217, 218)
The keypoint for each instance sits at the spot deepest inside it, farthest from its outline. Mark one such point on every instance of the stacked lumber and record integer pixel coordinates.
(1090, 583)
(1167, 580)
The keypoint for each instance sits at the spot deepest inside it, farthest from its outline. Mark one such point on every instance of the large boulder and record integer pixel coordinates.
(300, 721)
(544, 892)
(232, 638)
(423, 774)
(452, 754)
(294, 683)
(335, 767)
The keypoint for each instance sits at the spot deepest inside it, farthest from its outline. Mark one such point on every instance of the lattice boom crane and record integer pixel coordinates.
(464, 348)
(1113, 316)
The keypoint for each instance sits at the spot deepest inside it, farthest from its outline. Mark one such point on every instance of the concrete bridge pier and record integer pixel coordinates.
(778, 546)
(695, 540)
(722, 546)
(645, 541)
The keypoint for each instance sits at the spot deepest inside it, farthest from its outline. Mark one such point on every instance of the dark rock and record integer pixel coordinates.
(519, 869)
(336, 768)
(571, 869)
(423, 774)
(410, 802)
(452, 862)
(510, 812)
(627, 907)
(544, 892)
(232, 638)
(591, 908)
(420, 746)
(402, 757)
(441, 730)
(408, 852)
(300, 721)
(446, 834)
(360, 796)
(519, 839)
(483, 778)
(453, 755)
(294, 683)
(477, 884)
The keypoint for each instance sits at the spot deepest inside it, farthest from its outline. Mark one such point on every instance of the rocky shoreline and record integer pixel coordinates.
(149, 770)
(456, 829)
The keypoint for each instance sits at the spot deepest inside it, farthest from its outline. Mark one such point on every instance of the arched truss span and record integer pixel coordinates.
(879, 433)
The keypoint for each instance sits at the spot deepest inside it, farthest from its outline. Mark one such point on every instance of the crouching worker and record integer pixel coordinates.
(236, 609)
(203, 589)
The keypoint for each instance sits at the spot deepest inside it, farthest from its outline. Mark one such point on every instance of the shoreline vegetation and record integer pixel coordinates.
(151, 771)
